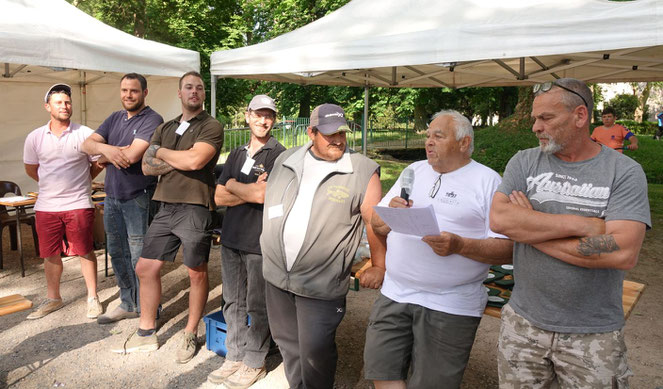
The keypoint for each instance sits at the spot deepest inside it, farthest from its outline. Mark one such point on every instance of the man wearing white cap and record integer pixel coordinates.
(318, 198)
(241, 188)
(53, 157)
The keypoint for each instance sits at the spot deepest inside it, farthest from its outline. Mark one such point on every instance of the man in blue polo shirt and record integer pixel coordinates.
(122, 140)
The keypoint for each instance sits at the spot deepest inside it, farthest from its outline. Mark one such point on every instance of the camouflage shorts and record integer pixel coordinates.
(529, 357)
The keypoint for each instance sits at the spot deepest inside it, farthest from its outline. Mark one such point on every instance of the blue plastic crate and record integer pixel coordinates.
(215, 333)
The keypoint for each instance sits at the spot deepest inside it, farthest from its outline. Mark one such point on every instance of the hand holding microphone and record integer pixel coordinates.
(407, 181)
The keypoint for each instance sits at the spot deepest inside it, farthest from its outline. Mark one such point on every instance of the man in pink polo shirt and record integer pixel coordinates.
(52, 157)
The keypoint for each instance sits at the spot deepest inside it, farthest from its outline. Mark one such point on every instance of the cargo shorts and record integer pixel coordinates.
(529, 357)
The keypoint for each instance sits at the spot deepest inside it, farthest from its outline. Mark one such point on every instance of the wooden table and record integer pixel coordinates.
(18, 207)
(632, 292)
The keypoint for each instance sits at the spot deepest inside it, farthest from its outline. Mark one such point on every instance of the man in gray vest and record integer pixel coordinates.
(317, 200)
(578, 212)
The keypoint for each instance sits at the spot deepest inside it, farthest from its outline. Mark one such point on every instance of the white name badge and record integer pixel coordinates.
(275, 211)
(248, 164)
(183, 126)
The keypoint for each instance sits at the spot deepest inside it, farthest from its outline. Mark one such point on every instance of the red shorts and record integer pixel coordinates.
(76, 224)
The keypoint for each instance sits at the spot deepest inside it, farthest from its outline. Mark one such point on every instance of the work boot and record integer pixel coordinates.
(116, 314)
(187, 347)
(94, 308)
(46, 307)
(244, 377)
(219, 375)
(135, 343)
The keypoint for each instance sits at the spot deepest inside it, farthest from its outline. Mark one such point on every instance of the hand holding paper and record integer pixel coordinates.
(411, 221)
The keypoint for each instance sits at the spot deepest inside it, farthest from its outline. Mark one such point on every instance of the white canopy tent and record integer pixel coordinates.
(462, 43)
(43, 42)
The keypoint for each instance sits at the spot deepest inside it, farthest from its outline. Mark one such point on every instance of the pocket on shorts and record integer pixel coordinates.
(200, 219)
(515, 327)
(620, 381)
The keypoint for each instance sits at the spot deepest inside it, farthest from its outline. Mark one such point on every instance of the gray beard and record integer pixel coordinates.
(551, 148)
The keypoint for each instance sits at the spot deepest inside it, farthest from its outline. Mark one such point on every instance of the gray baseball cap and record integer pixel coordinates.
(59, 88)
(329, 119)
(262, 102)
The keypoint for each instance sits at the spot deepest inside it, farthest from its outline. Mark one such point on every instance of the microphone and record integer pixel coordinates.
(407, 181)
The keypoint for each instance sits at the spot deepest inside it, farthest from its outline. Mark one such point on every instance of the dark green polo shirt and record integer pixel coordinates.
(189, 187)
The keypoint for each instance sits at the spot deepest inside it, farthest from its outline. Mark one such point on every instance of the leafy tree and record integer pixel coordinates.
(643, 90)
(624, 105)
(199, 25)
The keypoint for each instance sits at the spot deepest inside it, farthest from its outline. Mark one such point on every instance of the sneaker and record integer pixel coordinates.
(219, 375)
(187, 347)
(135, 343)
(116, 314)
(94, 308)
(46, 307)
(244, 377)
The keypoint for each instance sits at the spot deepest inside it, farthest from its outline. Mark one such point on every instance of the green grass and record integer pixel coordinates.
(389, 172)
(494, 147)
(650, 155)
(656, 204)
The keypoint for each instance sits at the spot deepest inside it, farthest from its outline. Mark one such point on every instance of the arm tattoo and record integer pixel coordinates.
(597, 245)
(153, 166)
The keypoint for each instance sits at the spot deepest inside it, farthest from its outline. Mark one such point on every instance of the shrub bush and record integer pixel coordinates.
(645, 128)
(624, 105)
(494, 147)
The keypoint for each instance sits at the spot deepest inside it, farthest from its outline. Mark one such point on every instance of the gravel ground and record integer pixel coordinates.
(67, 350)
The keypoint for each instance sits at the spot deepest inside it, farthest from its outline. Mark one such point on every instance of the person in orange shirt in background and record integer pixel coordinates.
(611, 134)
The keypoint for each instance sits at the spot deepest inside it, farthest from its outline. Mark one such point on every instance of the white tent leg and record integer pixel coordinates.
(213, 95)
(82, 87)
(365, 129)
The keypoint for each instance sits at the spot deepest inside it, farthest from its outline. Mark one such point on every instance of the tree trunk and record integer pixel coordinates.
(505, 105)
(639, 115)
(420, 117)
(305, 102)
(522, 114)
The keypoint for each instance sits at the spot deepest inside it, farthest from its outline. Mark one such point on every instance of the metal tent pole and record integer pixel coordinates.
(213, 97)
(365, 129)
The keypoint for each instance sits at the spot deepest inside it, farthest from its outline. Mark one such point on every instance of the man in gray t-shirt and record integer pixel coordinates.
(578, 212)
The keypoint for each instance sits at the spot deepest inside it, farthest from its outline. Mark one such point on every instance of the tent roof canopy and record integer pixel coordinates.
(427, 43)
(59, 37)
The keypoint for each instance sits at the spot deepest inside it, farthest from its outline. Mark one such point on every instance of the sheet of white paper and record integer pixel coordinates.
(411, 221)
(16, 199)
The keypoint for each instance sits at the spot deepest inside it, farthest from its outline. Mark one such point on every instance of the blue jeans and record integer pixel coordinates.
(126, 222)
(244, 296)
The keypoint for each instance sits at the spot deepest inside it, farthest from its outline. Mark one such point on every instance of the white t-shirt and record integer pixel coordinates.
(415, 274)
(294, 231)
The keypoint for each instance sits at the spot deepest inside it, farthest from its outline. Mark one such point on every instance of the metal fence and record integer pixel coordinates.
(292, 132)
